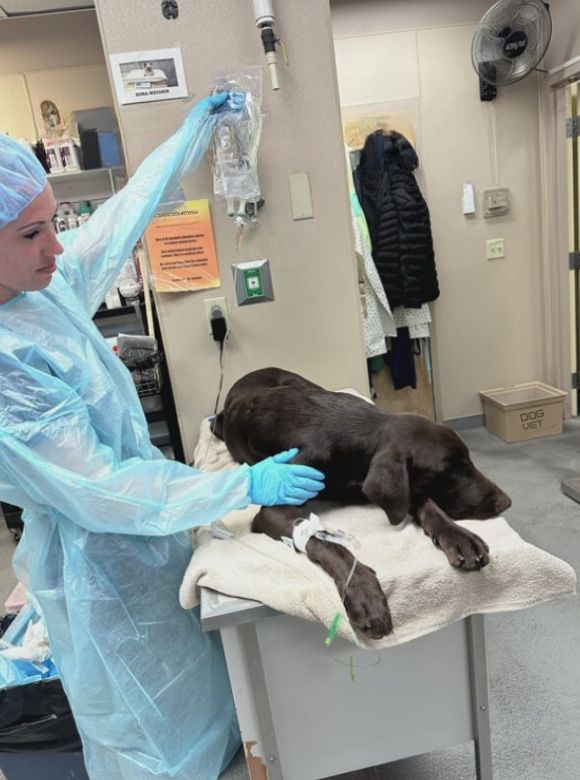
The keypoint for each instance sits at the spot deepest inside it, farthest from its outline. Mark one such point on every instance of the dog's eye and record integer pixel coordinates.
(458, 464)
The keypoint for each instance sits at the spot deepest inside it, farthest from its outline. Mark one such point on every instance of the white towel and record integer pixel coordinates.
(425, 593)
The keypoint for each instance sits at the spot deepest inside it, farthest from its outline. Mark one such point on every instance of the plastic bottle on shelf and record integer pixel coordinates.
(113, 299)
(127, 275)
(128, 270)
(54, 160)
(130, 290)
(61, 217)
(84, 211)
(84, 208)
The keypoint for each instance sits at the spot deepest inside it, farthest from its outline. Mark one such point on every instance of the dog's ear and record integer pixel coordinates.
(387, 483)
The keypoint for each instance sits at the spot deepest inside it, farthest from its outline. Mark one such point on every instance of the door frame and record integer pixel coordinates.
(556, 312)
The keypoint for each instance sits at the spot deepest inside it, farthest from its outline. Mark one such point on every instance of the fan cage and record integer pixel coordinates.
(487, 45)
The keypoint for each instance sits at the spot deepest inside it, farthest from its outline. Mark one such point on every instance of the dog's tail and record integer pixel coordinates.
(216, 426)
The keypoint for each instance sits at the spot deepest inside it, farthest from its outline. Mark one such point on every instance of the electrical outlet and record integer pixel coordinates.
(495, 249)
(209, 303)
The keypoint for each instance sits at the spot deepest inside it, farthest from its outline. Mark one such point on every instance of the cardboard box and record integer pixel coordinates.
(526, 411)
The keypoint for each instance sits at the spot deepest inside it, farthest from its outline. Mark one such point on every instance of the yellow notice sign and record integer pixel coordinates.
(182, 249)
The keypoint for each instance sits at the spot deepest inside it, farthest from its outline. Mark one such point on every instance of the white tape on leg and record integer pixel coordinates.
(339, 537)
(304, 531)
(306, 528)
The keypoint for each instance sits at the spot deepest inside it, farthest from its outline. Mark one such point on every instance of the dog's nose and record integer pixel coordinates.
(502, 503)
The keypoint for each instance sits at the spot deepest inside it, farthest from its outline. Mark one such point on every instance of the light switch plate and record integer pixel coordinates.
(300, 196)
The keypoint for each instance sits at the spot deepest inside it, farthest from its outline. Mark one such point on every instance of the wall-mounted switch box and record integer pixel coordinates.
(496, 202)
(300, 196)
(253, 282)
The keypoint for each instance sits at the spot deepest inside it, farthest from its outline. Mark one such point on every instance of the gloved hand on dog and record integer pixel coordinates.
(276, 481)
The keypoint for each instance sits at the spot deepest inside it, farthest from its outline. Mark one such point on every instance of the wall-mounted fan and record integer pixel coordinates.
(510, 42)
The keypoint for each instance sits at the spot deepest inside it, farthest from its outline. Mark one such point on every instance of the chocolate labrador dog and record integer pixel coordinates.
(404, 463)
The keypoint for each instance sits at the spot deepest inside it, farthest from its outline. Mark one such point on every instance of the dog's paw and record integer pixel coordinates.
(464, 550)
(366, 605)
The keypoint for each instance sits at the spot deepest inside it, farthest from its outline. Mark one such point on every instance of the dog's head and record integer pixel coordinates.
(418, 459)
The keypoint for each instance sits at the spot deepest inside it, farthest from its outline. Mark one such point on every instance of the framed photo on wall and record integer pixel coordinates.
(148, 76)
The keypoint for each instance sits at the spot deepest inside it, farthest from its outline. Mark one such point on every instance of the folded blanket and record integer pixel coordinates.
(425, 593)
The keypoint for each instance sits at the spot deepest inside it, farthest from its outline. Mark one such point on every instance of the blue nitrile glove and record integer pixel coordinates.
(228, 100)
(276, 481)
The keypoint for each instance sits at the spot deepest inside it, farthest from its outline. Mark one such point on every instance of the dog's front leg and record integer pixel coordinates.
(365, 603)
(464, 550)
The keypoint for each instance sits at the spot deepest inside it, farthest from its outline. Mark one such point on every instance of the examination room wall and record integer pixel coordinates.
(313, 326)
(60, 56)
(565, 43)
(489, 328)
(50, 41)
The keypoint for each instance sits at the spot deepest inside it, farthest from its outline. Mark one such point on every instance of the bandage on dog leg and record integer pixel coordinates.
(307, 528)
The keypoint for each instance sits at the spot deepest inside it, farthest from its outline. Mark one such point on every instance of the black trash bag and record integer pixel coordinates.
(37, 717)
(5, 622)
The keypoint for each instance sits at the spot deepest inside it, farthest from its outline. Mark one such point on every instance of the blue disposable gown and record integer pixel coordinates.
(105, 543)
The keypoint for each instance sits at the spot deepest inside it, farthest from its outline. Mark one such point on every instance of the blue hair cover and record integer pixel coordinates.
(22, 179)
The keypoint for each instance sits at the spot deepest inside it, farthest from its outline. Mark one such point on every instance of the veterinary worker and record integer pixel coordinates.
(105, 542)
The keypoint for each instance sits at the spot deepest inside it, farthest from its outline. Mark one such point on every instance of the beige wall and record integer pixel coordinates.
(565, 43)
(47, 42)
(488, 319)
(314, 324)
(57, 57)
(72, 89)
(354, 17)
(357, 17)
(16, 118)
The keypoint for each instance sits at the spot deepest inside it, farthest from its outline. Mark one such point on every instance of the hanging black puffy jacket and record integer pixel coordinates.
(398, 220)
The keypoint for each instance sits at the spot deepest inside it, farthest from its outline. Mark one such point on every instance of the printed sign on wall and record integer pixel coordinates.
(146, 76)
(182, 249)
